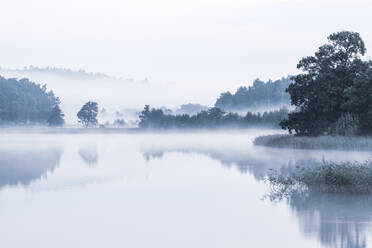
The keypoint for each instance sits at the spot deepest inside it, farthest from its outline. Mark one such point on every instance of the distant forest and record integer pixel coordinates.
(259, 95)
(24, 102)
(211, 118)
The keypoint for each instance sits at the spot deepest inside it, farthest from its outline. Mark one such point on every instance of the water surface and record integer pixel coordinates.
(166, 190)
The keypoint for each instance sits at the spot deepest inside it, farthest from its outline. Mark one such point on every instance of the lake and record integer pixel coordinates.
(192, 189)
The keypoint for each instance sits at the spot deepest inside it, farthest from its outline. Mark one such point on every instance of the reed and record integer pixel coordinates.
(327, 177)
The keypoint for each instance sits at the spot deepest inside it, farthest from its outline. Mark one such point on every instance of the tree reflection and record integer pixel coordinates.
(89, 154)
(336, 220)
(246, 162)
(23, 166)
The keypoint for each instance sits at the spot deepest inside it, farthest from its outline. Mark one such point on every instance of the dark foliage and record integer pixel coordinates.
(259, 95)
(56, 117)
(24, 102)
(359, 100)
(335, 82)
(88, 114)
(211, 118)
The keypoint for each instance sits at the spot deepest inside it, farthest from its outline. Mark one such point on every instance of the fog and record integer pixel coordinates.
(126, 96)
(188, 52)
(211, 45)
(120, 98)
(141, 189)
(178, 181)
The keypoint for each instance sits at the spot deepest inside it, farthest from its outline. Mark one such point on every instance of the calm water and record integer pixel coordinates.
(166, 190)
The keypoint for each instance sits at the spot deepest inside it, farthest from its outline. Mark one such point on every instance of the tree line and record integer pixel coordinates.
(260, 95)
(211, 118)
(23, 102)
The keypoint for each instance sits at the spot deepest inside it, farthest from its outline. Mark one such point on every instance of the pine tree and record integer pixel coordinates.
(56, 117)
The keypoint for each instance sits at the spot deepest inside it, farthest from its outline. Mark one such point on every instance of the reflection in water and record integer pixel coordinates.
(23, 166)
(337, 220)
(244, 161)
(182, 189)
(89, 154)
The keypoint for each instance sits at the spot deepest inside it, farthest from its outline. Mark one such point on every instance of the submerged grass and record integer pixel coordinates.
(320, 142)
(328, 177)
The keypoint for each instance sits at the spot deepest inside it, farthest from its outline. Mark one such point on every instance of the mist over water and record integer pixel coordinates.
(133, 124)
(191, 189)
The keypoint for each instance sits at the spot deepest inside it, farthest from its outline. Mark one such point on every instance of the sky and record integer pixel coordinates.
(195, 43)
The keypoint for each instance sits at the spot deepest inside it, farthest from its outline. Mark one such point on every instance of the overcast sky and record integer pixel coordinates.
(194, 42)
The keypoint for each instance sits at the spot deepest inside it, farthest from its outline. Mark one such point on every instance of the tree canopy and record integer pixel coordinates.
(56, 117)
(259, 95)
(24, 102)
(87, 115)
(334, 82)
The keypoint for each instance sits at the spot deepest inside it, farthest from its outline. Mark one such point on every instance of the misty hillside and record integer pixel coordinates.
(74, 88)
(261, 95)
(117, 95)
(64, 73)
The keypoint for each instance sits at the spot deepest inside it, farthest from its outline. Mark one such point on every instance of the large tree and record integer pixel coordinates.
(359, 99)
(88, 114)
(319, 93)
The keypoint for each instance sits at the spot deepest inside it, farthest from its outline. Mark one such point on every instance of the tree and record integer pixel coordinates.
(319, 92)
(215, 115)
(144, 117)
(25, 102)
(88, 114)
(56, 117)
(359, 101)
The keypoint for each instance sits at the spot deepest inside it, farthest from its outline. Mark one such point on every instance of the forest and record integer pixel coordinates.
(24, 102)
(260, 95)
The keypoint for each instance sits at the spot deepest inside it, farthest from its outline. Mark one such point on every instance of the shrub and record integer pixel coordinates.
(328, 177)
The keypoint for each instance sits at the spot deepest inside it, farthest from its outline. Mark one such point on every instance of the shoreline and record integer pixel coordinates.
(325, 142)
